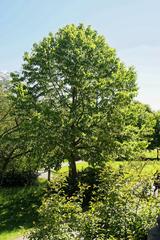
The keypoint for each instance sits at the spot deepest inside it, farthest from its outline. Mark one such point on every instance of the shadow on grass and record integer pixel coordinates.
(19, 207)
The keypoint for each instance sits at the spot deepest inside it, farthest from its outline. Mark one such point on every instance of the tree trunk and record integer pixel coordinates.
(72, 170)
(49, 174)
(72, 157)
(72, 180)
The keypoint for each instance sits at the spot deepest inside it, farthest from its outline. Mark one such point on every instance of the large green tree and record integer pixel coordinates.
(72, 95)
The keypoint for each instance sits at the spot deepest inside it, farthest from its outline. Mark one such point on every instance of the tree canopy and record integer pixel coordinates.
(72, 96)
(139, 122)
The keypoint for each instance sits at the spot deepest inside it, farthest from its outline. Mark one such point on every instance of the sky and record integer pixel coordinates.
(132, 27)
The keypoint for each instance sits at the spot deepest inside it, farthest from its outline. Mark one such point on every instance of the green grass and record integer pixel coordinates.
(139, 167)
(80, 167)
(143, 167)
(18, 209)
(12, 235)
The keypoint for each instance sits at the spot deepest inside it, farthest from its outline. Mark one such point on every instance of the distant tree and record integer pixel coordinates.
(155, 143)
(5, 80)
(7, 126)
(72, 97)
(12, 146)
(137, 133)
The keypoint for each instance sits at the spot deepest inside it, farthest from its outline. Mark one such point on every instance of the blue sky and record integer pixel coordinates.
(130, 26)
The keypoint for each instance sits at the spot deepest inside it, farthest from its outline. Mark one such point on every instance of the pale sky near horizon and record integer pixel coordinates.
(131, 27)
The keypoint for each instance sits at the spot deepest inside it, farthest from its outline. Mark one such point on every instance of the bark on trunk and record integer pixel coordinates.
(72, 170)
(49, 174)
(72, 157)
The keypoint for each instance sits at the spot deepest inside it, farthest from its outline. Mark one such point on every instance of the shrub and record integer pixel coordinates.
(58, 220)
(121, 208)
(14, 178)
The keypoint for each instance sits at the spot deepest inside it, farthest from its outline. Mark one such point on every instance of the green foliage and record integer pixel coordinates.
(122, 207)
(137, 133)
(150, 154)
(60, 216)
(13, 146)
(7, 125)
(155, 143)
(71, 98)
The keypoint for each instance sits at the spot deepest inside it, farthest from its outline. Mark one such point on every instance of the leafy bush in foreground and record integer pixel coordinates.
(122, 208)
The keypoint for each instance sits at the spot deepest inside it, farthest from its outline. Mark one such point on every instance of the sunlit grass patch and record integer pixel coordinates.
(12, 235)
(80, 166)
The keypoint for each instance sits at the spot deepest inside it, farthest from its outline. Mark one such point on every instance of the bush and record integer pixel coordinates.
(58, 220)
(15, 178)
(121, 208)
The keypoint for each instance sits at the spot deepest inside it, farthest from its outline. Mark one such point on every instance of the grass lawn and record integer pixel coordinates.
(80, 166)
(141, 167)
(12, 235)
(18, 210)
